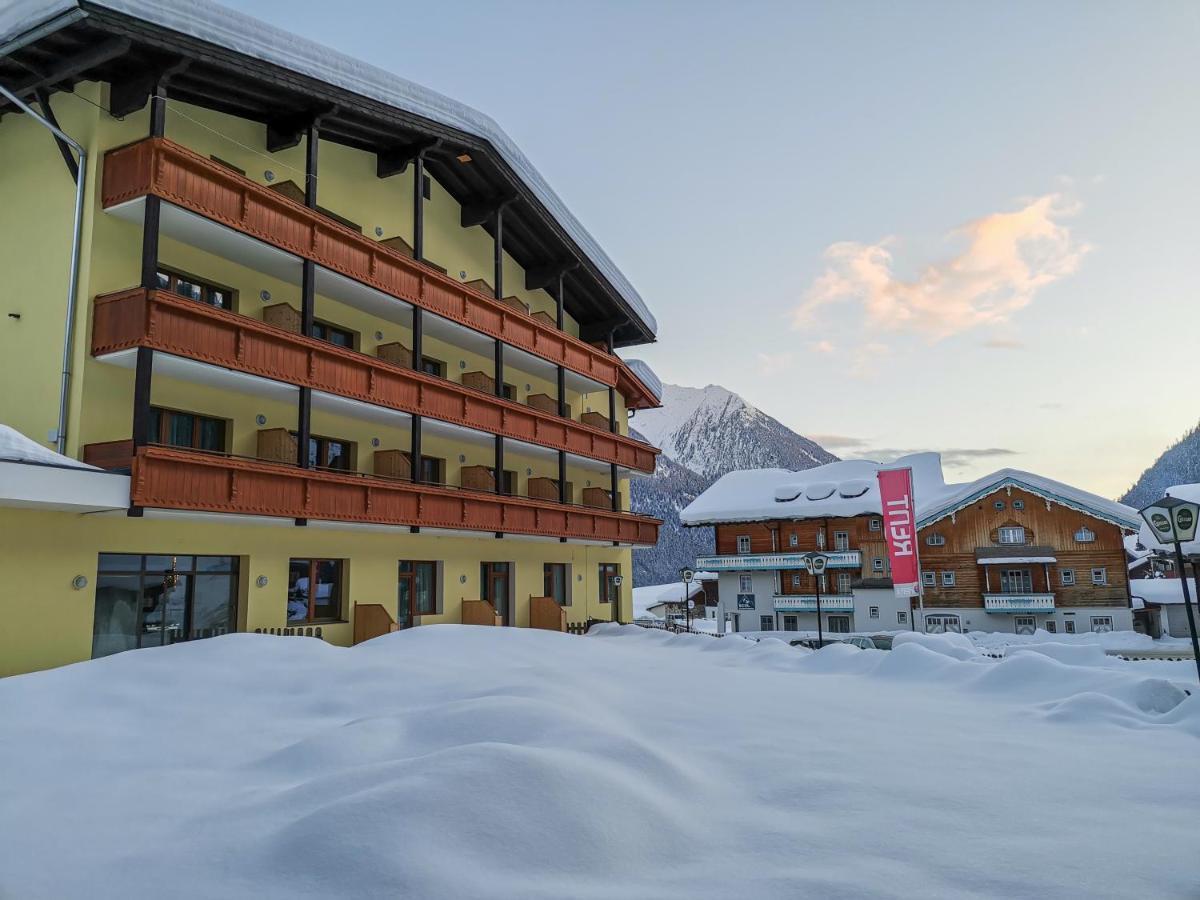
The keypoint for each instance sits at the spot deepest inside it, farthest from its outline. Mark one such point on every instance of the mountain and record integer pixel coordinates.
(1179, 464)
(703, 433)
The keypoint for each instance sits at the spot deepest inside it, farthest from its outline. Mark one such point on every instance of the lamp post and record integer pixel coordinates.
(1173, 521)
(816, 563)
(686, 575)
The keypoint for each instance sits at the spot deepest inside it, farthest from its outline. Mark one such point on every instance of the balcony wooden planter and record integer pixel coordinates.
(477, 478)
(596, 420)
(545, 613)
(598, 498)
(393, 464)
(516, 303)
(545, 403)
(282, 315)
(396, 354)
(479, 381)
(545, 317)
(185, 328)
(109, 455)
(169, 478)
(547, 489)
(277, 445)
(480, 612)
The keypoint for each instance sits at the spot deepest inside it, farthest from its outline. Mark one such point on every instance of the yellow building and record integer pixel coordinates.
(337, 358)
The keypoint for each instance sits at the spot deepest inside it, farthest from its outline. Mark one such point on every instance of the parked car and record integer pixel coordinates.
(875, 642)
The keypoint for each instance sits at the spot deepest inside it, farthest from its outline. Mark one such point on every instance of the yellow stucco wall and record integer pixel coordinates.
(49, 623)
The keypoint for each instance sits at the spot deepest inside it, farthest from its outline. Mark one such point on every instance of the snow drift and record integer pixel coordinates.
(451, 761)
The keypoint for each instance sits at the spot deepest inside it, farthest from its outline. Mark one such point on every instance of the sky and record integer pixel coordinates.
(893, 227)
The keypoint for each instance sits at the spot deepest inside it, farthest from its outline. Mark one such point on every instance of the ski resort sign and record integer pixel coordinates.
(900, 528)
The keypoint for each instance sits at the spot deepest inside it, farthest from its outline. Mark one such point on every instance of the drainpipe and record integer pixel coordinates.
(60, 441)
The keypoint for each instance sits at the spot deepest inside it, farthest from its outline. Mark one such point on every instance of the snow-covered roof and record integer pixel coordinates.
(651, 595)
(850, 488)
(1163, 591)
(843, 488)
(16, 447)
(236, 31)
(647, 377)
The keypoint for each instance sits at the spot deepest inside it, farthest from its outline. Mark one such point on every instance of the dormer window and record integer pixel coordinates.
(1011, 534)
(875, 524)
(743, 543)
(936, 540)
(1085, 535)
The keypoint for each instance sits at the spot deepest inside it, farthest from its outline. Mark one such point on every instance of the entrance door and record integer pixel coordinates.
(406, 590)
(495, 588)
(839, 624)
(1025, 624)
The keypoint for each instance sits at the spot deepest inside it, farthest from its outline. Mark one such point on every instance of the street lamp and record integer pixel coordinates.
(686, 575)
(816, 563)
(1173, 521)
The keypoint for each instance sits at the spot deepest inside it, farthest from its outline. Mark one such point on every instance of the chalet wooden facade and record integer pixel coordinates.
(332, 338)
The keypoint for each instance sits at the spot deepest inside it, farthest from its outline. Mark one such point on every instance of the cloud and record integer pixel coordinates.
(1003, 344)
(834, 442)
(1008, 258)
(822, 346)
(773, 363)
(952, 458)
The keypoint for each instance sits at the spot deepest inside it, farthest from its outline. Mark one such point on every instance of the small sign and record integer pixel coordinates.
(691, 604)
(686, 575)
(616, 580)
(745, 601)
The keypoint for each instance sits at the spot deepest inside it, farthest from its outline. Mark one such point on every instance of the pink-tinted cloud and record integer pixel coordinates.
(1008, 258)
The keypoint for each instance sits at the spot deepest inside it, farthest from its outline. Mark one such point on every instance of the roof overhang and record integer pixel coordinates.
(942, 511)
(26, 485)
(227, 61)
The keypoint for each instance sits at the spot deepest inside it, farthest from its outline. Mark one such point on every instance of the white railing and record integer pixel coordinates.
(1018, 602)
(808, 603)
(840, 559)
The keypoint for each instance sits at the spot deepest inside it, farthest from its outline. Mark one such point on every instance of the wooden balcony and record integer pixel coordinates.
(186, 328)
(167, 478)
(160, 167)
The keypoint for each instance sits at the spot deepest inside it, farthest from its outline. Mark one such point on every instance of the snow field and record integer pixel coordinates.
(476, 762)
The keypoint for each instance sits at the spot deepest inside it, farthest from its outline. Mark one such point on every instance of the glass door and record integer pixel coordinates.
(1025, 624)
(404, 598)
(494, 583)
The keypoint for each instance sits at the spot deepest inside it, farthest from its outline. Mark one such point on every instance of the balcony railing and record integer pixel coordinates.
(808, 603)
(847, 559)
(183, 327)
(167, 170)
(1018, 603)
(168, 478)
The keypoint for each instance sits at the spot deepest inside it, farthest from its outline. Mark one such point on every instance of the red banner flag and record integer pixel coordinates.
(900, 528)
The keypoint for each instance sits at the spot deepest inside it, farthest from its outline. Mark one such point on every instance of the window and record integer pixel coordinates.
(1102, 623)
(746, 584)
(416, 591)
(999, 504)
(194, 289)
(743, 543)
(554, 582)
(791, 623)
(1068, 577)
(841, 540)
(1018, 504)
(929, 579)
(1016, 581)
(902, 617)
(330, 453)
(1011, 534)
(433, 470)
(431, 366)
(323, 331)
(1085, 535)
(793, 540)
(877, 564)
(839, 624)
(795, 579)
(1051, 626)
(510, 480)
(508, 391)
(1069, 626)
(148, 601)
(609, 592)
(873, 611)
(875, 524)
(843, 582)
(1100, 576)
(495, 586)
(766, 623)
(947, 579)
(942, 624)
(314, 590)
(1024, 624)
(183, 429)
(936, 540)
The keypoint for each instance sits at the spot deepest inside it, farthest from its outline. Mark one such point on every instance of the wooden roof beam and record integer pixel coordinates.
(395, 161)
(71, 67)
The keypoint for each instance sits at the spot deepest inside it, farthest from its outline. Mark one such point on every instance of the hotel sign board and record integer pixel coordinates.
(900, 529)
(745, 601)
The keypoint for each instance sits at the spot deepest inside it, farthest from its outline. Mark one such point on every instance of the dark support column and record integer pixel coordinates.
(152, 214)
(498, 254)
(308, 289)
(500, 472)
(562, 482)
(558, 300)
(419, 205)
(499, 367)
(562, 392)
(414, 452)
(612, 475)
(612, 410)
